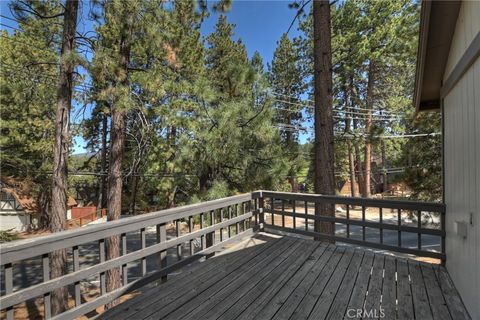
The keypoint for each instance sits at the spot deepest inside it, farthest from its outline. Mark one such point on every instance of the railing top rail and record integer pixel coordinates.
(394, 204)
(28, 248)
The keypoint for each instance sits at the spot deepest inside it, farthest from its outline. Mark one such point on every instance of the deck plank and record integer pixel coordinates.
(292, 293)
(421, 305)
(269, 304)
(435, 296)
(389, 290)
(262, 280)
(359, 292)
(372, 300)
(404, 292)
(188, 302)
(184, 279)
(316, 288)
(325, 300)
(217, 274)
(339, 304)
(450, 293)
(267, 289)
(241, 285)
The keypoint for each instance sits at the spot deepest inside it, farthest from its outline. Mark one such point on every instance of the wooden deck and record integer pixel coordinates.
(291, 278)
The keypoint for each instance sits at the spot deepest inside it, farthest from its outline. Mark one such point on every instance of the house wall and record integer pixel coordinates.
(461, 109)
(468, 24)
(11, 218)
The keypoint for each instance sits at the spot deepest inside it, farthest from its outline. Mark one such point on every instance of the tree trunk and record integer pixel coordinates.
(102, 201)
(43, 203)
(117, 137)
(384, 172)
(368, 127)
(58, 259)
(324, 148)
(133, 196)
(358, 158)
(351, 161)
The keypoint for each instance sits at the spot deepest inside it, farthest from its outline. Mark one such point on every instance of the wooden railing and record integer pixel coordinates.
(218, 223)
(211, 224)
(360, 221)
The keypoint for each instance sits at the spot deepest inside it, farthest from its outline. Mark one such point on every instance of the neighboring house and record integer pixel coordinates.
(448, 80)
(18, 210)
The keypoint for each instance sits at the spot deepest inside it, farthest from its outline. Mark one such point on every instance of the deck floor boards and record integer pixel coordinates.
(291, 278)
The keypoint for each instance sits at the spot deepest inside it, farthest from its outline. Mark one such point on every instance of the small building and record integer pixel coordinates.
(18, 210)
(18, 207)
(448, 81)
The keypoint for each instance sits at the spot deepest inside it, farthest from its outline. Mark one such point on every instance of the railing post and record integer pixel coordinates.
(210, 238)
(442, 227)
(162, 237)
(261, 214)
(47, 300)
(9, 288)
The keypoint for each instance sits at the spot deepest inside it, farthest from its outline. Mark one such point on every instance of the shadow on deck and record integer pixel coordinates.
(271, 277)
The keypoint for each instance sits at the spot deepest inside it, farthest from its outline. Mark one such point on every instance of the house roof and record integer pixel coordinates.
(437, 26)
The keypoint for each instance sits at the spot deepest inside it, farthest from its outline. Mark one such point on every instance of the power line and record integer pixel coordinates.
(345, 111)
(356, 108)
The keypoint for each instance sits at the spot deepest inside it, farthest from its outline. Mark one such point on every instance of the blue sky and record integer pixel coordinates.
(259, 24)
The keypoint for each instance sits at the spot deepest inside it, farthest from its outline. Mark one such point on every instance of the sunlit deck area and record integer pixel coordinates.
(250, 256)
(291, 278)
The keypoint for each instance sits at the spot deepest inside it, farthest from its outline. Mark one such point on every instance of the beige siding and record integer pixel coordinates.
(462, 185)
(468, 25)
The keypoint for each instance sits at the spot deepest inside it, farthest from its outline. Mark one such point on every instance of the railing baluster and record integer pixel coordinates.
(76, 267)
(47, 301)
(306, 215)
(256, 206)
(283, 213)
(221, 220)
(244, 211)
(381, 224)
(9, 288)
(237, 226)
(229, 215)
(399, 216)
(202, 225)
(101, 246)
(272, 207)
(261, 205)
(294, 215)
(190, 230)
(211, 236)
(144, 245)
(348, 221)
(162, 237)
(178, 234)
(419, 226)
(363, 220)
(124, 266)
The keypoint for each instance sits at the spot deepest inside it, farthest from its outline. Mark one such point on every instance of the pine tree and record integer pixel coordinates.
(29, 68)
(286, 81)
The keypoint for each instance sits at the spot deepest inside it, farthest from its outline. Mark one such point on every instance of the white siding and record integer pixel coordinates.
(468, 25)
(17, 220)
(462, 182)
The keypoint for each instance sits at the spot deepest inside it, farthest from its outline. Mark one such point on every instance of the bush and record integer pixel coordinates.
(7, 235)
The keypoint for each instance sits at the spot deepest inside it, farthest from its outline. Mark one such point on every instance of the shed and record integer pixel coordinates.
(448, 81)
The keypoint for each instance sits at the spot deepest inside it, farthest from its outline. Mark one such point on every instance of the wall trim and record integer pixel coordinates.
(467, 59)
